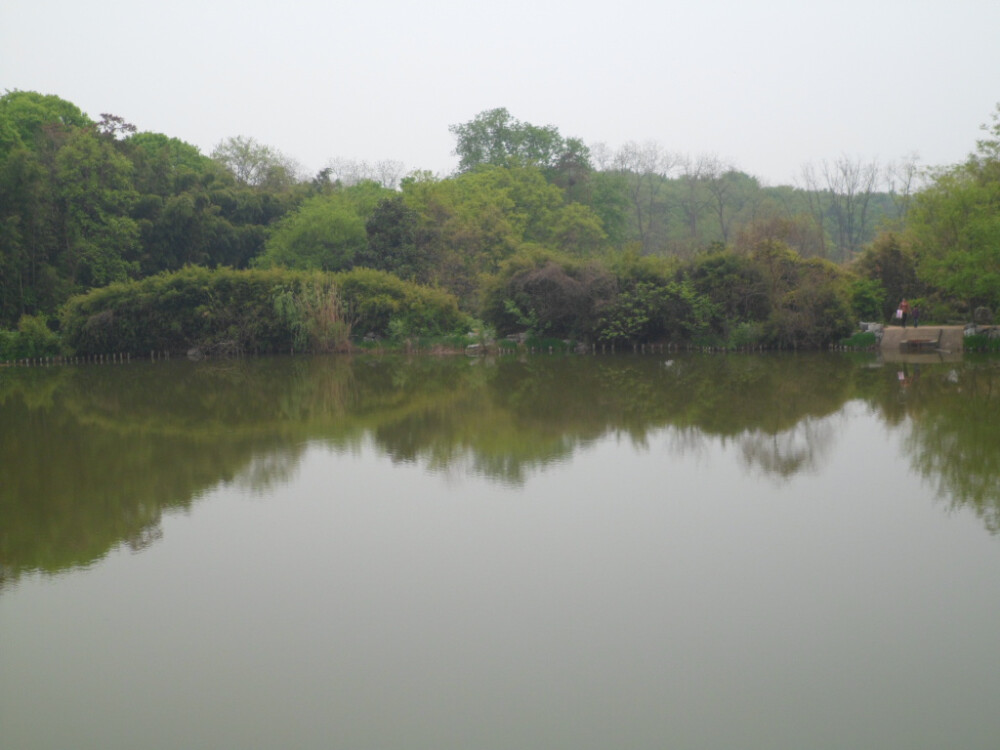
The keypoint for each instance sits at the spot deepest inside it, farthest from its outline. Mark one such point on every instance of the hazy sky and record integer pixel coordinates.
(769, 85)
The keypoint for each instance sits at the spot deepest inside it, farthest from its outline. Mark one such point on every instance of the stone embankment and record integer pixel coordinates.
(947, 339)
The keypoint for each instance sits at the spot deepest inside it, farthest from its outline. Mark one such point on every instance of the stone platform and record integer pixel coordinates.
(948, 339)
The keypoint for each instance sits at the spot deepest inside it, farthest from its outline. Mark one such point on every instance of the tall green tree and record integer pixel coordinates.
(179, 211)
(496, 137)
(324, 233)
(392, 239)
(254, 163)
(27, 119)
(470, 224)
(890, 262)
(28, 281)
(33, 129)
(95, 194)
(955, 226)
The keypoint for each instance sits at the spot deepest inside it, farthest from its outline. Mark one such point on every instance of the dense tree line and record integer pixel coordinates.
(533, 231)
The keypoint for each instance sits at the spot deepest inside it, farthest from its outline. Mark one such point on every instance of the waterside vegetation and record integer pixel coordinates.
(114, 240)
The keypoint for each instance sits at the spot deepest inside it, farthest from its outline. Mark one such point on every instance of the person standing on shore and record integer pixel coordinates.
(904, 306)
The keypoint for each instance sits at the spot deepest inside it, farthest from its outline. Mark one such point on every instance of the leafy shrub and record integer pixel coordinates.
(651, 311)
(867, 299)
(981, 342)
(544, 343)
(548, 294)
(31, 339)
(860, 340)
(746, 335)
(315, 315)
(809, 299)
(260, 310)
(377, 300)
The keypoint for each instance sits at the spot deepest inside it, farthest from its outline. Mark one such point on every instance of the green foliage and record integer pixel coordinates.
(381, 304)
(647, 311)
(25, 116)
(772, 297)
(161, 160)
(86, 204)
(32, 339)
(955, 226)
(190, 210)
(548, 343)
(257, 311)
(868, 299)
(576, 230)
(314, 314)
(633, 315)
(607, 198)
(471, 224)
(94, 185)
(495, 137)
(981, 342)
(392, 231)
(547, 294)
(811, 308)
(860, 340)
(82, 206)
(254, 164)
(325, 233)
(733, 282)
(891, 263)
(746, 335)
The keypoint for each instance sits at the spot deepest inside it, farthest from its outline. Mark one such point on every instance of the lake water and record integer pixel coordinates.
(660, 551)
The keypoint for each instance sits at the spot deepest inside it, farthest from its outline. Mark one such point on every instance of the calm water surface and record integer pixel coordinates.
(628, 552)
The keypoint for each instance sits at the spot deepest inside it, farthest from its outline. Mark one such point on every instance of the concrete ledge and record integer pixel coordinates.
(948, 338)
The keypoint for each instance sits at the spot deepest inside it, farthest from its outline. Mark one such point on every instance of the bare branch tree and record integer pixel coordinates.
(645, 168)
(851, 184)
(347, 172)
(813, 189)
(693, 173)
(731, 191)
(903, 178)
(256, 164)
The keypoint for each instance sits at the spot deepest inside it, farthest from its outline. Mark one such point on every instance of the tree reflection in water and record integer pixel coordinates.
(93, 456)
(801, 448)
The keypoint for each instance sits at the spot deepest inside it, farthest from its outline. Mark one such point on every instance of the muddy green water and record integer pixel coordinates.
(583, 552)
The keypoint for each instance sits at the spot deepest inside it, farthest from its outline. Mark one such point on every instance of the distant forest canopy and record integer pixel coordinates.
(85, 203)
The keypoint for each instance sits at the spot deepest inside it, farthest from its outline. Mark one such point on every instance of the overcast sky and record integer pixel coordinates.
(769, 85)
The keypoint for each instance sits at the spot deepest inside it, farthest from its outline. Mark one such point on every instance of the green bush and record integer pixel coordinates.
(935, 311)
(981, 342)
(380, 304)
(544, 343)
(251, 311)
(32, 339)
(547, 294)
(867, 298)
(315, 315)
(746, 335)
(657, 311)
(860, 340)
